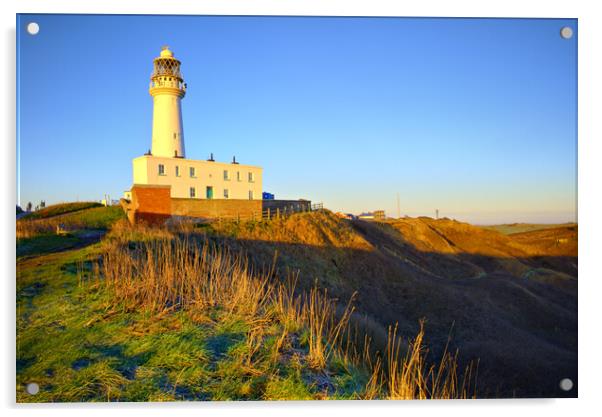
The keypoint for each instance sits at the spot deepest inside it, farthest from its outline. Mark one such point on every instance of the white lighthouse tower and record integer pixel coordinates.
(167, 88)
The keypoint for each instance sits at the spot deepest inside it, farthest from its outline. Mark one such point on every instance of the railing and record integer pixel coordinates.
(173, 84)
(280, 212)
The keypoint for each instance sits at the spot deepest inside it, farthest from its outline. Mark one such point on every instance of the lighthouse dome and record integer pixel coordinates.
(166, 53)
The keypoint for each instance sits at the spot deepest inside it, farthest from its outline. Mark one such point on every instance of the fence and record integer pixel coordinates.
(287, 210)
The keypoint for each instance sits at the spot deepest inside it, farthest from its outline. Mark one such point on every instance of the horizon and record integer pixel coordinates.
(474, 117)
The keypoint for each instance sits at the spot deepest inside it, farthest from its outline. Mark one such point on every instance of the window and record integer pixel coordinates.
(192, 192)
(161, 169)
(192, 173)
(226, 194)
(177, 171)
(226, 175)
(237, 175)
(251, 177)
(250, 194)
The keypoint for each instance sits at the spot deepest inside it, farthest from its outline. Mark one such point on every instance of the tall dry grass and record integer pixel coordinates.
(411, 377)
(178, 271)
(32, 228)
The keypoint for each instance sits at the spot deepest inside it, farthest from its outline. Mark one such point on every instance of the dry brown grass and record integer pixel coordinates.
(320, 228)
(410, 377)
(324, 325)
(33, 228)
(164, 271)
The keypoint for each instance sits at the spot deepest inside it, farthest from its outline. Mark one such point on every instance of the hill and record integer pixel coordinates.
(507, 301)
(157, 314)
(511, 300)
(512, 228)
(57, 209)
(79, 227)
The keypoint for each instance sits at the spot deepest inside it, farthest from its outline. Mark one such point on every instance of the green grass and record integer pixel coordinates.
(46, 244)
(98, 217)
(79, 346)
(95, 218)
(62, 208)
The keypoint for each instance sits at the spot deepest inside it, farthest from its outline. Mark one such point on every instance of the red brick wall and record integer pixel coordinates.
(151, 203)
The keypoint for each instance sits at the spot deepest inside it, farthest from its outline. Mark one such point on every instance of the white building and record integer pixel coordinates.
(167, 164)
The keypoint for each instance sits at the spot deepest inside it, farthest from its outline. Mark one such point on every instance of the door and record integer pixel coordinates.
(209, 193)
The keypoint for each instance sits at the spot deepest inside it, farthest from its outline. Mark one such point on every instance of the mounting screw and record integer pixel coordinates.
(566, 32)
(566, 384)
(32, 388)
(33, 28)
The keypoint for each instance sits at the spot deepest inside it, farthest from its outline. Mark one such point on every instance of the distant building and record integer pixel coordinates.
(374, 215)
(347, 216)
(108, 201)
(379, 214)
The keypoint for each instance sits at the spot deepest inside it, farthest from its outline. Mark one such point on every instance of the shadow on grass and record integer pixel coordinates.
(516, 316)
(52, 243)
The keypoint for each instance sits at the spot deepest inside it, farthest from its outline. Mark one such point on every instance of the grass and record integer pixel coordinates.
(85, 218)
(508, 229)
(320, 228)
(153, 314)
(45, 244)
(58, 209)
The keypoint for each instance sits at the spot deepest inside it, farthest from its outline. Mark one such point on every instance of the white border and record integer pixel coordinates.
(590, 198)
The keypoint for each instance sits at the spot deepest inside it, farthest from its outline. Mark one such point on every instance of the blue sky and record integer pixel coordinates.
(474, 117)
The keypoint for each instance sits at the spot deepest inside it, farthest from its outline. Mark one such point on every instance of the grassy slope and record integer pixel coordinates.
(80, 346)
(58, 209)
(508, 229)
(510, 301)
(95, 218)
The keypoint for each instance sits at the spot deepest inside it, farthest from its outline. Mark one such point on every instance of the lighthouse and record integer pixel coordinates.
(167, 87)
(168, 184)
(167, 169)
